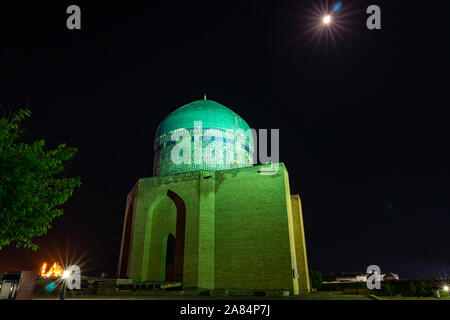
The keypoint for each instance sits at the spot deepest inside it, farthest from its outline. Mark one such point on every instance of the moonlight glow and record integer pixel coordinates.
(326, 23)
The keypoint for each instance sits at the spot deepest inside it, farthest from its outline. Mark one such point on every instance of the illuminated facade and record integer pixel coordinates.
(209, 225)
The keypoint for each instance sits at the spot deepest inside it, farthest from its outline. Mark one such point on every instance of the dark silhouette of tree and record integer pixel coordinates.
(316, 279)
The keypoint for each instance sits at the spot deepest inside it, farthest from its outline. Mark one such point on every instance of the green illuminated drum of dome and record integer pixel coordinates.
(215, 137)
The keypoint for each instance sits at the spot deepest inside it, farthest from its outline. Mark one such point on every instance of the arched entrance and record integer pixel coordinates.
(168, 258)
(165, 237)
(180, 235)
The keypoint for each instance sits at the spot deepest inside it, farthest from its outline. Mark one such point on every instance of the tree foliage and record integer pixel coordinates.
(32, 184)
(389, 288)
(315, 279)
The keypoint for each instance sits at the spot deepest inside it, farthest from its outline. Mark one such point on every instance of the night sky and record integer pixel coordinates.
(364, 125)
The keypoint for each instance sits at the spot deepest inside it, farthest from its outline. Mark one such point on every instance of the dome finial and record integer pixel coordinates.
(204, 97)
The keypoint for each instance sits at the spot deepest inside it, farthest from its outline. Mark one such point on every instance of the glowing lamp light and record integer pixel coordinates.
(446, 288)
(66, 274)
(327, 20)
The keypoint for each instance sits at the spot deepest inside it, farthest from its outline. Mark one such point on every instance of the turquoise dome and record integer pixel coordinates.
(223, 133)
(211, 113)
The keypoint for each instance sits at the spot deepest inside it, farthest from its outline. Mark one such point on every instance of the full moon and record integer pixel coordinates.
(327, 19)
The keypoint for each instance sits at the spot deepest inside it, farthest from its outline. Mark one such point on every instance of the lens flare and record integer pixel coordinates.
(66, 274)
(50, 287)
(337, 6)
(327, 24)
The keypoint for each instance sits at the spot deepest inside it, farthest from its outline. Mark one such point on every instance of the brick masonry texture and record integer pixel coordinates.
(243, 230)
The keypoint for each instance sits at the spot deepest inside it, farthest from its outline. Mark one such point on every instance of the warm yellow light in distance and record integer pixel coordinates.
(54, 271)
(43, 270)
